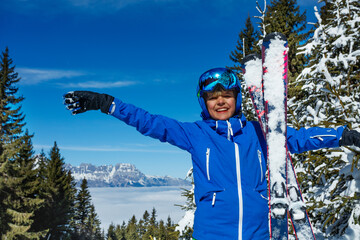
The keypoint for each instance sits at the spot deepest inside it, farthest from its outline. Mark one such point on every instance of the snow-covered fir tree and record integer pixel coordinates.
(185, 225)
(330, 83)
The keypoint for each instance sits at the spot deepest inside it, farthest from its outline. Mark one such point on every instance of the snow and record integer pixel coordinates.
(276, 235)
(353, 230)
(279, 211)
(186, 221)
(253, 74)
(275, 64)
(111, 175)
(253, 81)
(304, 234)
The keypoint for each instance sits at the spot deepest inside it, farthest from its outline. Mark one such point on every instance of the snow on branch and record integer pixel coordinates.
(262, 17)
(323, 68)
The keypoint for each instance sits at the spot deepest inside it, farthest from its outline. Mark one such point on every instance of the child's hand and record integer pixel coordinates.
(350, 137)
(82, 101)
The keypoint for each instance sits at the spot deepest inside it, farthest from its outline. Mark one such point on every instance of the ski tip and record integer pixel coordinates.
(274, 35)
(250, 57)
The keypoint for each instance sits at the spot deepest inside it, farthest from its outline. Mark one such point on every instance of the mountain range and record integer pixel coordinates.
(120, 175)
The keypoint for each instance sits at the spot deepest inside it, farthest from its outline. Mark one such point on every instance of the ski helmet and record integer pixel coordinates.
(227, 80)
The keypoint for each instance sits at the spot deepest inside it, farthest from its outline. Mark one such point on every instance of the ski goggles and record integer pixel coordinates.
(223, 76)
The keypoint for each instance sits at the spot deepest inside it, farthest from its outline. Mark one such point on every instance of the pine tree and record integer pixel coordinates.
(285, 16)
(121, 231)
(26, 200)
(153, 224)
(111, 235)
(59, 191)
(280, 16)
(330, 83)
(93, 224)
(11, 124)
(11, 116)
(85, 221)
(40, 218)
(82, 209)
(141, 228)
(161, 231)
(246, 44)
(145, 225)
(132, 229)
(18, 177)
(171, 233)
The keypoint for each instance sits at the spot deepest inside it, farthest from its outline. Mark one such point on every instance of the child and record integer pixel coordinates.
(228, 153)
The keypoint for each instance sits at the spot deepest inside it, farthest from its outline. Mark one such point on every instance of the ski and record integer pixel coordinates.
(297, 208)
(274, 82)
(252, 71)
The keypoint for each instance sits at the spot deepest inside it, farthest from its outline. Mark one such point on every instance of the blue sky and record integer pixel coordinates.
(146, 52)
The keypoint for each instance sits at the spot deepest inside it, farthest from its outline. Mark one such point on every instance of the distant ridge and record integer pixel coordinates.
(120, 175)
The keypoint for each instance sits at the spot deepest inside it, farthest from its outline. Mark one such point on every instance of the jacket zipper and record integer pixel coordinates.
(320, 137)
(213, 200)
(230, 131)
(238, 177)
(261, 169)
(208, 163)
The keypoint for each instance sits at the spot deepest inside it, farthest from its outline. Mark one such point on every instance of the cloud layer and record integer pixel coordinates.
(115, 205)
(108, 149)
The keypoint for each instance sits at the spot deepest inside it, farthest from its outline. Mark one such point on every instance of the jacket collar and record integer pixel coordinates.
(229, 128)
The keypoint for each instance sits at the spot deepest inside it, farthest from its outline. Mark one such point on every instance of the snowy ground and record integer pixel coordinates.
(120, 204)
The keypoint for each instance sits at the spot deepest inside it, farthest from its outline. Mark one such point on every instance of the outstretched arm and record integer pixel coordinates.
(156, 126)
(306, 139)
(316, 138)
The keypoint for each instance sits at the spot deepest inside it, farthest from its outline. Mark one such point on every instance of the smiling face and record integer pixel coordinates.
(221, 105)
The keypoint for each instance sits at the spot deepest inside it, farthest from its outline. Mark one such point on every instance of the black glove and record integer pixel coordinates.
(350, 137)
(82, 101)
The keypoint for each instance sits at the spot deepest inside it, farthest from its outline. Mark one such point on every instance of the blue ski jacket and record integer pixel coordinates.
(229, 165)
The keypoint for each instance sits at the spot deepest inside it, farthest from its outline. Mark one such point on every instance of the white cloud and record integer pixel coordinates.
(107, 149)
(96, 84)
(32, 76)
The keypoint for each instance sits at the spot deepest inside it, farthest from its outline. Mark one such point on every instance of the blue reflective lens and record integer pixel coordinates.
(213, 77)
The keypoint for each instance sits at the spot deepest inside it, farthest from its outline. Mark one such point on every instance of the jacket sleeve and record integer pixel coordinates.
(306, 139)
(160, 127)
